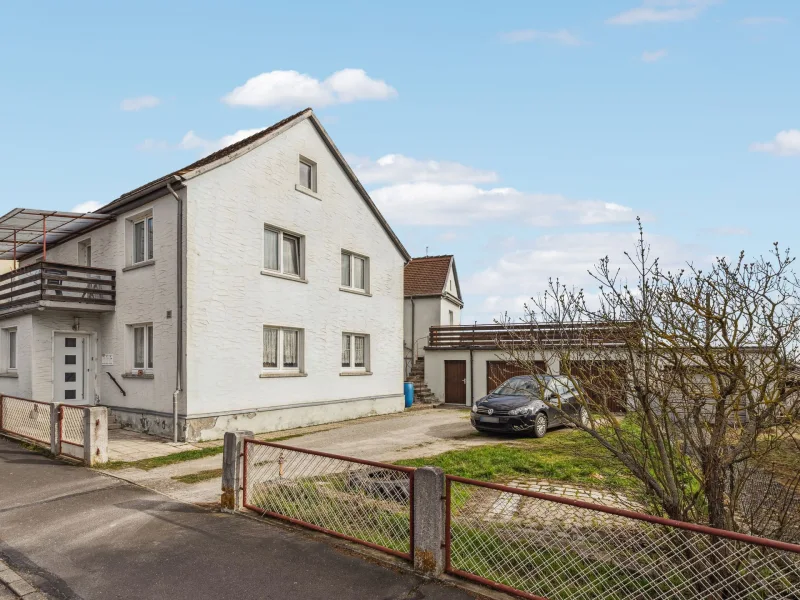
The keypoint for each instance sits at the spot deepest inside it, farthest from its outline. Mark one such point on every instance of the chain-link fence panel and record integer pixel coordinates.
(363, 501)
(540, 546)
(72, 424)
(26, 418)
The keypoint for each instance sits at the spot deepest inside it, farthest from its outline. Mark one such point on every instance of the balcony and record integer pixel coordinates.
(60, 286)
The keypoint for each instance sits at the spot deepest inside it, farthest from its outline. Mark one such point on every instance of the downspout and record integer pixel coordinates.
(413, 334)
(179, 343)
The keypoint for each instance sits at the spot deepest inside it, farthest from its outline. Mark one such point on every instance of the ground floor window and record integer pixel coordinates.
(355, 352)
(283, 349)
(142, 347)
(9, 354)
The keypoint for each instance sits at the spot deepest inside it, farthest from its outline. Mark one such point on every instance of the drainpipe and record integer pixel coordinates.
(179, 343)
(413, 334)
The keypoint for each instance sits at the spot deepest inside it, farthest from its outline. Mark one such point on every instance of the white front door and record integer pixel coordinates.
(72, 361)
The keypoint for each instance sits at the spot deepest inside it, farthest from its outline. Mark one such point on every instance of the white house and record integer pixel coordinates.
(258, 288)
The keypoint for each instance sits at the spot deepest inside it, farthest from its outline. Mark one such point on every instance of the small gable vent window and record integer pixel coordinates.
(308, 174)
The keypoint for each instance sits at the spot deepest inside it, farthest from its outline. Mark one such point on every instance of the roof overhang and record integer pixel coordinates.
(28, 231)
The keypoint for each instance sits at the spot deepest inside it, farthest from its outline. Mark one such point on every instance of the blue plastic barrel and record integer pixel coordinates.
(408, 389)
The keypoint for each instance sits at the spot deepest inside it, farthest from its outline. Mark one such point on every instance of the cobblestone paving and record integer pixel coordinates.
(12, 586)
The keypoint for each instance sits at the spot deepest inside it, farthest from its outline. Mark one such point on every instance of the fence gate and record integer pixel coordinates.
(362, 501)
(28, 419)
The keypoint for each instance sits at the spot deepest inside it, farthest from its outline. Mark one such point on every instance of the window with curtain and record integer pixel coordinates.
(149, 238)
(355, 352)
(142, 347)
(355, 271)
(282, 349)
(138, 242)
(283, 252)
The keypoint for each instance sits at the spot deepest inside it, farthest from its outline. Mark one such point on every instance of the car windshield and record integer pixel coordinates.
(518, 387)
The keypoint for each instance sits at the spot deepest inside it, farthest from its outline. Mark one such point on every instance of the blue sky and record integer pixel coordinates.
(523, 138)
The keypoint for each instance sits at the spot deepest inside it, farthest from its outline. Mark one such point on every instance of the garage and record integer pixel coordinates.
(602, 381)
(498, 371)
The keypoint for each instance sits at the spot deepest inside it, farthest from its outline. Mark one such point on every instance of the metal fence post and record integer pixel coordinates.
(429, 521)
(232, 469)
(95, 435)
(55, 428)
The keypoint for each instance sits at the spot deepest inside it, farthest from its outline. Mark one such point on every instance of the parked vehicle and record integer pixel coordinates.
(528, 404)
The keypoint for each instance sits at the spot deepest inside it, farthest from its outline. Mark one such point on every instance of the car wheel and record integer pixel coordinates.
(583, 416)
(540, 425)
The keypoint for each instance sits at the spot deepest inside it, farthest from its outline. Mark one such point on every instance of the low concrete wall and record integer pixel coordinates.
(197, 428)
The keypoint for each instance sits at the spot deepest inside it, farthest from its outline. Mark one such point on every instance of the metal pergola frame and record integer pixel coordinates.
(25, 231)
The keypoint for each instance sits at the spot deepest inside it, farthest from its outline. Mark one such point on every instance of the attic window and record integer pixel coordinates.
(308, 174)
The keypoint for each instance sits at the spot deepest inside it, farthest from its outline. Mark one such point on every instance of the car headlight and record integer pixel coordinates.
(474, 408)
(521, 411)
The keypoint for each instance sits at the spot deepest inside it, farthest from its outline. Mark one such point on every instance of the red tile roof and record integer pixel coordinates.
(427, 275)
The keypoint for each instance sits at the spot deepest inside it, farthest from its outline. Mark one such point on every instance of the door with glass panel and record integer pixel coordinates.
(72, 365)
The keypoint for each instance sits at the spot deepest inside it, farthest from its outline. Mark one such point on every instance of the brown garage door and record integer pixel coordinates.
(455, 381)
(602, 381)
(498, 371)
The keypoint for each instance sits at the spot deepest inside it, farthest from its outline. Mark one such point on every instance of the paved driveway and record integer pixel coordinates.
(78, 534)
(408, 435)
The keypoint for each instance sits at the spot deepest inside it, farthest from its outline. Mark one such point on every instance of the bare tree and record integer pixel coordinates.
(703, 362)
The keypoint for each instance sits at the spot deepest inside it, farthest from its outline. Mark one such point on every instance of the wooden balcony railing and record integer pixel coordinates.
(524, 334)
(47, 282)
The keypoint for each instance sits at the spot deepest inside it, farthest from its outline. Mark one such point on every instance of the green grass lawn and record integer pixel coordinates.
(199, 476)
(565, 455)
(161, 461)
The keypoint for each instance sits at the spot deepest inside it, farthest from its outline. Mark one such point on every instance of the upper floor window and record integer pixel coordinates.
(451, 316)
(308, 174)
(282, 349)
(143, 239)
(283, 252)
(355, 271)
(142, 347)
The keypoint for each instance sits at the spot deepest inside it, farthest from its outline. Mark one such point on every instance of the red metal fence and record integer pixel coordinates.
(359, 500)
(29, 419)
(71, 426)
(540, 546)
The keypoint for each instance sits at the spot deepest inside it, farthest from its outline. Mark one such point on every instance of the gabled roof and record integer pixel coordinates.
(233, 151)
(427, 276)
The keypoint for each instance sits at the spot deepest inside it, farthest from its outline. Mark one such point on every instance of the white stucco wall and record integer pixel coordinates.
(229, 300)
(144, 294)
(434, 369)
(20, 382)
(427, 312)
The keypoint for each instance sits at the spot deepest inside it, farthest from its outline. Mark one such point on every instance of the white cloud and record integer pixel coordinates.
(293, 89)
(192, 141)
(396, 168)
(448, 236)
(755, 21)
(562, 36)
(87, 207)
(650, 57)
(786, 143)
(139, 103)
(429, 203)
(521, 274)
(727, 231)
(662, 11)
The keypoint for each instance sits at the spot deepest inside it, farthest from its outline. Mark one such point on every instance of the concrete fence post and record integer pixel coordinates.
(55, 428)
(429, 521)
(233, 469)
(95, 435)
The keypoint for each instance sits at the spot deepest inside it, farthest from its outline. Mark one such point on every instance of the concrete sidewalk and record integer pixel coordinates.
(76, 534)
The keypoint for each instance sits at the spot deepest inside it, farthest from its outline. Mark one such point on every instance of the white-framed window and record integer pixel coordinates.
(10, 349)
(283, 349)
(142, 338)
(307, 174)
(284, 252)
(355, 271)
(142, 249)
(450, 312)
(355, 352)
(85, 253)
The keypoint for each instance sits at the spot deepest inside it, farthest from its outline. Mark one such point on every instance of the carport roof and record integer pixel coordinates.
(26, 231)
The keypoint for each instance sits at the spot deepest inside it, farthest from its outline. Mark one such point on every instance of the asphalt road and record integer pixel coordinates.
(76, 533)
